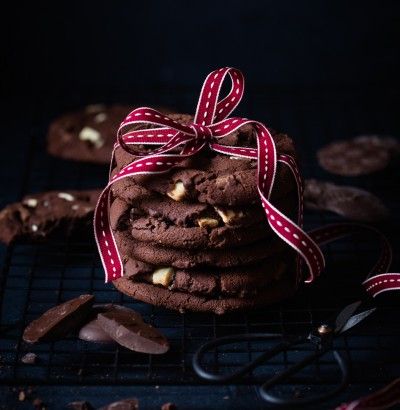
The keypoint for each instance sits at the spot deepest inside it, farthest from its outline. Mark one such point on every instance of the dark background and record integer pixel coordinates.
(68, 53)
(319, 70)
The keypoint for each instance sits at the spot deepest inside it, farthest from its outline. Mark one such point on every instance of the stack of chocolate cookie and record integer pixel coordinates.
(197, 237)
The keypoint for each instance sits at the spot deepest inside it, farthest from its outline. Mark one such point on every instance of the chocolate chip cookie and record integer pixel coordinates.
(196, 238)
(183, 301)
(37, 216)
(87, 135)
(350, 202)
(359, 156)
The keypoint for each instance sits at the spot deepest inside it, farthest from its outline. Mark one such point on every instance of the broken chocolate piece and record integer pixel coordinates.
(127, 328)
(59, 320)
(92, 331)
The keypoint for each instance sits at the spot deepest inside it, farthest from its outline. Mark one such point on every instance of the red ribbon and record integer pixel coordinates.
(382, 399)
(211, 123)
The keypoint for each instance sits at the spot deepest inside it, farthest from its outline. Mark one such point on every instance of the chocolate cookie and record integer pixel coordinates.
(87, 135)
(187, 259)
(359, 156)
(350, 202)
(182, 301)
(162, 221)
(158, 232)
(39, 215)
(211, 178)
(211, 282)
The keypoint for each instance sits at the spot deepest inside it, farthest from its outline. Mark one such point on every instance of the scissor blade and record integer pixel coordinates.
(356, 319)
(345, 314)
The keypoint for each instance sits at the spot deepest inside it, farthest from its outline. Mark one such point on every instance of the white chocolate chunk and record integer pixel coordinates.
(31, 202)
(75, 207)
(67, 197)
(163, 276)
(95, 108)
(91, 135)
(178, 193)
(228, 215)
(207, 222)
(34, 228)
(100, 117)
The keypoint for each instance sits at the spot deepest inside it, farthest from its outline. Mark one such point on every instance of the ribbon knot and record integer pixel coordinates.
(203, 133)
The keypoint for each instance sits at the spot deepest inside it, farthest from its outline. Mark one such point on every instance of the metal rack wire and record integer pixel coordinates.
(37, 277)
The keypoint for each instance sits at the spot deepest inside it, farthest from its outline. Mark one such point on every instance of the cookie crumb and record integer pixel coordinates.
(80, 405)
(29, 358)
(21, 396)
(168, 406)
(38, 404)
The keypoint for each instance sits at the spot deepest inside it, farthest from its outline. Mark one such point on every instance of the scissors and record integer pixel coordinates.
(320, 336)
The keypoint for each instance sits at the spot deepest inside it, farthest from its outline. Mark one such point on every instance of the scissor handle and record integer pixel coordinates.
(284, 375)
(225, 340)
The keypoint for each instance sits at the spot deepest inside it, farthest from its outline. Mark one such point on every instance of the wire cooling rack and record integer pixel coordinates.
(37, 277)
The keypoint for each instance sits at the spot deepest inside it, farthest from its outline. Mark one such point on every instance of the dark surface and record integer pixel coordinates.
(35, 278)
(318, 71)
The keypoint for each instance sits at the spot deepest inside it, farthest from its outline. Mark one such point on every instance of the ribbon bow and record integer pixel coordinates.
(211, 123)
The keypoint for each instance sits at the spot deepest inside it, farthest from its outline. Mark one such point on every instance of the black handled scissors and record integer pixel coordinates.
(321, 337)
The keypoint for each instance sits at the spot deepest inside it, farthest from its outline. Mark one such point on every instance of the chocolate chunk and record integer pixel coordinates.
(29, 358)
(59, 320)
(359, 156)
(126, 404)
(350, 202)
(37, 216)
(127, 328)
(80, 405)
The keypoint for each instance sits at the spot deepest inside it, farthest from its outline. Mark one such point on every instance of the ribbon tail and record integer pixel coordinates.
(105, 240)
(381, 399)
